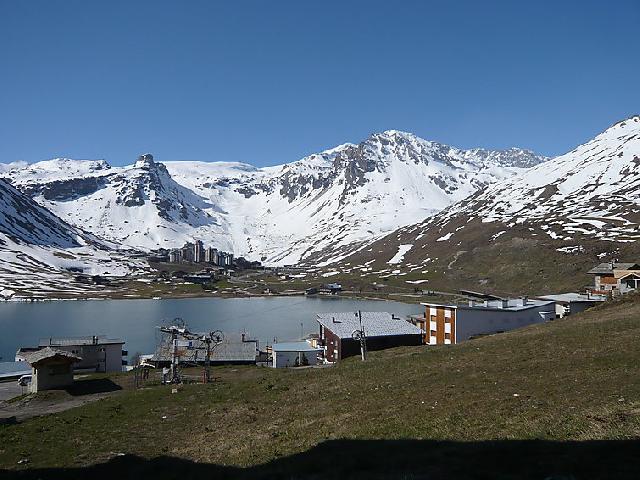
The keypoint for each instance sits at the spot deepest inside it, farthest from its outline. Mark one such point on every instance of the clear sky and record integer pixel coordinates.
(268, 82)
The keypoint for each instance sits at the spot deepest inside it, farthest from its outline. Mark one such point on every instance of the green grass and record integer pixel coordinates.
(569, 380)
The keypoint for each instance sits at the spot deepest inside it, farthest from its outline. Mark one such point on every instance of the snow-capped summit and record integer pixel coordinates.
(585, 203)
(330, 202)
(595, 184)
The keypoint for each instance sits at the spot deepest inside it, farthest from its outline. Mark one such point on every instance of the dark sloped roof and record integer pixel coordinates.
(49, 353)
(601, 268)
(607, 267)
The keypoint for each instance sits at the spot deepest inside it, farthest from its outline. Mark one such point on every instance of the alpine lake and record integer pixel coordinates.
(137, 321)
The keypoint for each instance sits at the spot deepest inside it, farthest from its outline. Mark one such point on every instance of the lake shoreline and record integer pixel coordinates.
(348, 295)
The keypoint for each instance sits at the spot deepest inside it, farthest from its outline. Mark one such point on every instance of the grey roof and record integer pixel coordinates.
(73, 341)
(48, 353)
(376, 324)
(302, 346)
(228, 351)
(512, 305)
(608, 267)
(573, 297)
(482, 295)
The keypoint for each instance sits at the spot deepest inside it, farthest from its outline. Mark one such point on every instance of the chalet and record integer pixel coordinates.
(98, 353)
(451, 324)
(51, 368)
(382, 330)
(615, 278)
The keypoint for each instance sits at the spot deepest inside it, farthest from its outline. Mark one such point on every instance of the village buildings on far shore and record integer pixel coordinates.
(198, 253)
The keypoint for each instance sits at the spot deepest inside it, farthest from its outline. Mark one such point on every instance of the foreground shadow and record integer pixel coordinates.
(91, 386)
(381, 459)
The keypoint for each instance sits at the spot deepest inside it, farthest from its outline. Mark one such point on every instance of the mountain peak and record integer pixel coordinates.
(145, 161)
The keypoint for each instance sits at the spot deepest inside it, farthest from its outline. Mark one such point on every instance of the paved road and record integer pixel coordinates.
(10, 389)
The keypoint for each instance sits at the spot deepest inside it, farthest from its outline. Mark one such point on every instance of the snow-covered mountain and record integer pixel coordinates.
(38, 250)
(564, 214)
(592, 191)
(322, 207)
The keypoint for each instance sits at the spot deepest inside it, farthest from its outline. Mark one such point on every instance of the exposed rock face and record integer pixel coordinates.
(64, 190)
(24, 221)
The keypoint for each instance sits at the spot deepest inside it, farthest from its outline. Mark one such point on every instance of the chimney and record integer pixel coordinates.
(524, 301)
(505, 303)
(471, 303)
(486, 303)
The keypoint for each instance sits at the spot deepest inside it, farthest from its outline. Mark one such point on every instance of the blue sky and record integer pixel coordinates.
(268, 82)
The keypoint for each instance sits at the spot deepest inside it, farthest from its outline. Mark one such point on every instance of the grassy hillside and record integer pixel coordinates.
(560, 400)
(490, 257)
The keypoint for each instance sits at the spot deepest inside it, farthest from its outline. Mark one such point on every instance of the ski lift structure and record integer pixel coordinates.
(181, 339)
(359, 335)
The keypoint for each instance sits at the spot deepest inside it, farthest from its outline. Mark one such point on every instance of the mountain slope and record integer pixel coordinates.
(39, 251)
(548, 224)
(318, 209)
(324, 206)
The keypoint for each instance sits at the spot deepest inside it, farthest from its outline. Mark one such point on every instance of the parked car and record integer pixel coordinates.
(24, 380)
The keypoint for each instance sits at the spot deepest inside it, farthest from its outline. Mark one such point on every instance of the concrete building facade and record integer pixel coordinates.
(572, 303)
(98, 353)
(294, 354)
(451, 324)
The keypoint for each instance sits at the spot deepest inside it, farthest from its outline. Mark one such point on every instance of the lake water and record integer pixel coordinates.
(135, 321)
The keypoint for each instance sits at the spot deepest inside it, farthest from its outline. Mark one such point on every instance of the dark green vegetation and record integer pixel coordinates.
(560, 400)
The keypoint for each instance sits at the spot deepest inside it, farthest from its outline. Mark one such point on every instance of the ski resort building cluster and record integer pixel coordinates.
(198, 253)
